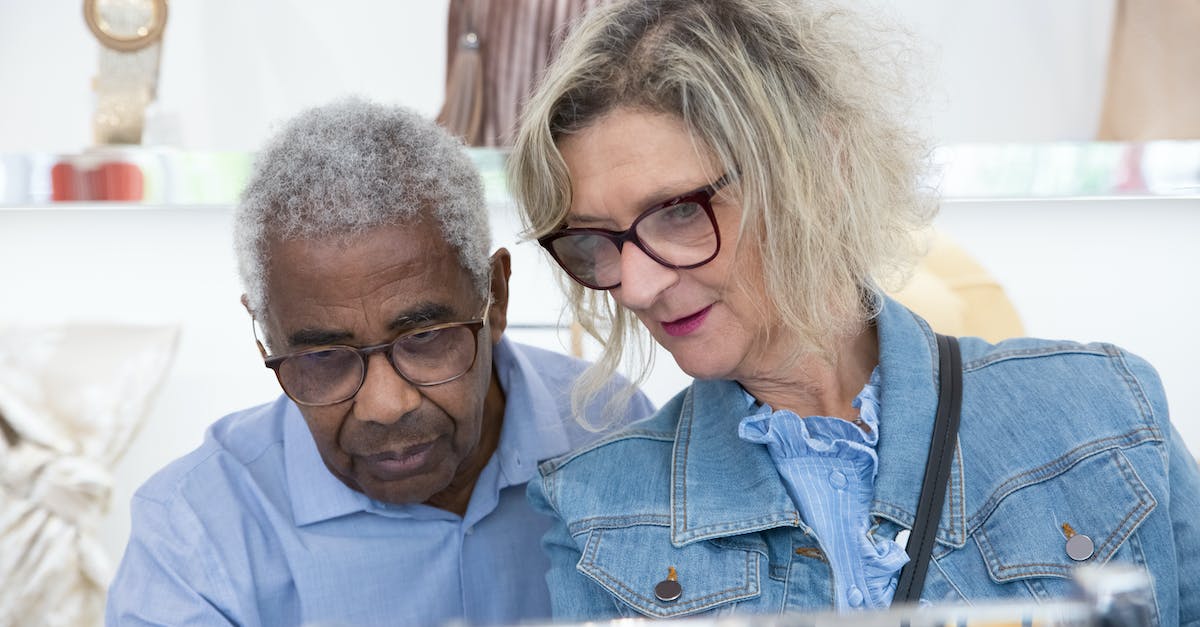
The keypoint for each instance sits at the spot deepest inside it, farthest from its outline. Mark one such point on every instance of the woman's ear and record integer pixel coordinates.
(498, 313)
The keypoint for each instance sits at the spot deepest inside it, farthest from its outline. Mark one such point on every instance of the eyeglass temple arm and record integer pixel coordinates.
(254, 329)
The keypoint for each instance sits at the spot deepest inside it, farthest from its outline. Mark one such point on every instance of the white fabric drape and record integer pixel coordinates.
(71, 399)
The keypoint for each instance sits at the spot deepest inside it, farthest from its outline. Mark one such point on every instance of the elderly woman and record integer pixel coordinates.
(733, 177)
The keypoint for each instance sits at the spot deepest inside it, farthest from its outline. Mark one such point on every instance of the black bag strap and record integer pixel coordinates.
(937, 473)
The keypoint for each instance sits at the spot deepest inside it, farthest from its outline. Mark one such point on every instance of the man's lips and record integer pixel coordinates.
(686, 324)
(391, 465)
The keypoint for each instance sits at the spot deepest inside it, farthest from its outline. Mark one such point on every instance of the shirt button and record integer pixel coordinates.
(469, 530)
(854, 596)
(837, 480)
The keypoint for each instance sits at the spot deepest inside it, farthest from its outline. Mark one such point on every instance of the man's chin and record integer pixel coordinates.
(403, 492)
(400, 491)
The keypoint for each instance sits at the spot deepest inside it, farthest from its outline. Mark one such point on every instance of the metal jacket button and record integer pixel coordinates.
(1079, 546)
(668, 589)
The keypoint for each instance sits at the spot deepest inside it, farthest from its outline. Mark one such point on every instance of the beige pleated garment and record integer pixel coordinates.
(489, 75)
(71, 400)
(1153, 88)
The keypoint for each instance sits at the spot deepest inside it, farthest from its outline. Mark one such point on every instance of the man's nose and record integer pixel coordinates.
(642, 278)
(385, 397)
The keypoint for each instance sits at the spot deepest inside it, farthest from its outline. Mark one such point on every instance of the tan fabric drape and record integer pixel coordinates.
(1153, 89)
(71, 400)
(486, 85)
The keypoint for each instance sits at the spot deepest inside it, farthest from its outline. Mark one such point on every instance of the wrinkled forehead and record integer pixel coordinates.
(364, 279)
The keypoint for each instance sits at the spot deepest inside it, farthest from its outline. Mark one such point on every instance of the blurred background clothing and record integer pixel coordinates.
(495, 51)
(1153, 86)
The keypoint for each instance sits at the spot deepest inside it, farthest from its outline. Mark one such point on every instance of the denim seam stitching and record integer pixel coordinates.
(555, 464)
(1058, 466)
(699, 604)
(1135, 388)
(617, 522)
(679, 471)
(1146, 504)
(1028, 353)
(1140, 509)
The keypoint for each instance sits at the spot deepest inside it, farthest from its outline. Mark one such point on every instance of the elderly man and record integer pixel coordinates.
(388, 485)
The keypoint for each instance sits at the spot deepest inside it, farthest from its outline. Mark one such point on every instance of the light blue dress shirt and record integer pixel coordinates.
(251, 528)
(829, 467)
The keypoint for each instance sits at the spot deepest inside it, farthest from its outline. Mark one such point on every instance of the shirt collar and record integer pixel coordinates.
(533, 426)
(316, 494)
(532, 430)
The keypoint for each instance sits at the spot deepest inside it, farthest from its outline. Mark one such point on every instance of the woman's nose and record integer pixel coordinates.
(385, 397)
(642, 278)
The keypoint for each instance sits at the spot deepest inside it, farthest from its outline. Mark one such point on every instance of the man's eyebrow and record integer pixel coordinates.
(318, 337)
(423, 313)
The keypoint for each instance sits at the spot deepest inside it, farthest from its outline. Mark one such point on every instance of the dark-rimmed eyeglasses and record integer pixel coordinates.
(425, 356)
(680, 233)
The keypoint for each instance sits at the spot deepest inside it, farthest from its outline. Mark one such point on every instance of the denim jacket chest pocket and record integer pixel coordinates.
(630, 562)
(1022, 531)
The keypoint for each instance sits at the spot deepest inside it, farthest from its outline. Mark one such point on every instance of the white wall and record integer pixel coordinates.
(1002, 70)
(230, 68)
(1012, 70)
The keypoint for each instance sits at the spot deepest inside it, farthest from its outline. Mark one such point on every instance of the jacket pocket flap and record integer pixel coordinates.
(630, 561)
(1100, 497)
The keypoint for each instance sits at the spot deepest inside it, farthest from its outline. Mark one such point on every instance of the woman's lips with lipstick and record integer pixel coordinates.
(391, 465)
(686, 324)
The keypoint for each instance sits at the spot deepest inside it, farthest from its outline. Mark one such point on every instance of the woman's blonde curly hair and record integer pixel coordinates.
(801, 98)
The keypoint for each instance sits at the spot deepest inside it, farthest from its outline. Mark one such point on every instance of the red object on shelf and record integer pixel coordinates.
(64, 184)
(121, 181)
(115, 180)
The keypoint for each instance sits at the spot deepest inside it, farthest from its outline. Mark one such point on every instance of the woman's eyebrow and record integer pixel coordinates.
(650, 199)
(586, 221)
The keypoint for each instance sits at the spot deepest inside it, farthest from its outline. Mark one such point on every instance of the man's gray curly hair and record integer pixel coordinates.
(347, 167)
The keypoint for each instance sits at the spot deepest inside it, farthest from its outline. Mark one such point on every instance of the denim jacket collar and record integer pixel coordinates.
(716, 477)
(908, 368)
(717, 484)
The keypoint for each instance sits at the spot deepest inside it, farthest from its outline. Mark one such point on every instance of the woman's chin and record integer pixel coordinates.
(699, 368)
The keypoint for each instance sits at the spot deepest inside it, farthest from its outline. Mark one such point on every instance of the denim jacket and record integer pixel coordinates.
(1056, 438)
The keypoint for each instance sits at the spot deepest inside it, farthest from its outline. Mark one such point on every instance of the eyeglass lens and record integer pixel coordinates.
(676, 235)
(335, 374)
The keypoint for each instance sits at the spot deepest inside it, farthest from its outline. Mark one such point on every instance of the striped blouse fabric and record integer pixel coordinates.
(829, 466)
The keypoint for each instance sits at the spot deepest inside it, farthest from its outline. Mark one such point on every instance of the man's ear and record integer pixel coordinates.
(498, 313)
(255, 325)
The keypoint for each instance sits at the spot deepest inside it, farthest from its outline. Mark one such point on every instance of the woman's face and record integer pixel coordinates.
(710, 318)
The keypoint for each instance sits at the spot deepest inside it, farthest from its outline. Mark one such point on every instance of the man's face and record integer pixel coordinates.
(393, 441)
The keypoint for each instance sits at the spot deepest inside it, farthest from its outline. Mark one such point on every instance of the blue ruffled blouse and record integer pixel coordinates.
(829, 465)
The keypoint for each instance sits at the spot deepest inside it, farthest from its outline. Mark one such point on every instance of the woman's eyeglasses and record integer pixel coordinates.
(426, 356)
(679, 233)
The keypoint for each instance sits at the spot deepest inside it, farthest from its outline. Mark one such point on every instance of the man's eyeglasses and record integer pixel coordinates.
(680, 233)
(431, 355)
